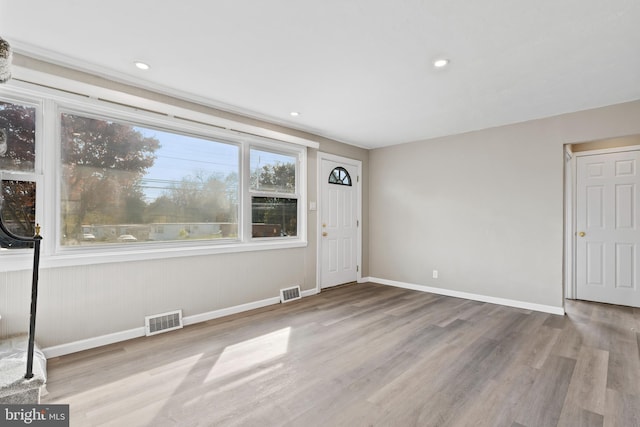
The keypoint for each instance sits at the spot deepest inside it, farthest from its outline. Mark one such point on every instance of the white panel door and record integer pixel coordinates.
(339, 224)
(607, 225)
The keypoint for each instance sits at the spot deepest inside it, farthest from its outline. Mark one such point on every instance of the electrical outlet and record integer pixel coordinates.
(435, 274)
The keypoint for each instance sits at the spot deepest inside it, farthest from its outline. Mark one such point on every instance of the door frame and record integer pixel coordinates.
(570, 191)
(320, 181)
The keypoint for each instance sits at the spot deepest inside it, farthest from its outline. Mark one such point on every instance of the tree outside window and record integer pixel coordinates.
(274, 200)
(123, 182)
(17, 159)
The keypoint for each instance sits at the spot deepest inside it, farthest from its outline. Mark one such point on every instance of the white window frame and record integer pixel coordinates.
(47, 174)
(28, 176)
(299, 154)
(137, 119)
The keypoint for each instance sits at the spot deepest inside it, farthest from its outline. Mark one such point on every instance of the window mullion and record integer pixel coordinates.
(50, 143)
(245, 221)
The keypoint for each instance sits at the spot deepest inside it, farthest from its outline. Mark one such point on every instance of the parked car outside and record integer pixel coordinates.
(126, 238)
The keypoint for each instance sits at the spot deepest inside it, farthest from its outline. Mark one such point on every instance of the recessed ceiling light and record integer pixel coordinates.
(142, 65)
(440, 63)
(294, 114)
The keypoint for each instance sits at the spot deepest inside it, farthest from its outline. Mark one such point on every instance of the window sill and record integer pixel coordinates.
(18, 259)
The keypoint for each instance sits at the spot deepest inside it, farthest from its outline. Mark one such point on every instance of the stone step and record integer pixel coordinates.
(14, 388)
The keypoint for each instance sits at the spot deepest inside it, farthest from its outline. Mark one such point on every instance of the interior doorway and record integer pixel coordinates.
(602, 254)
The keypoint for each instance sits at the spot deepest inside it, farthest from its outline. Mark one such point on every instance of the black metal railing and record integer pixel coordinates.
(9, 238)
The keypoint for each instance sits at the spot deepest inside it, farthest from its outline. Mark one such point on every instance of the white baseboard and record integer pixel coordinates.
(89, 343)
(76, 346)
(475, 297)
(309, 292)
(210, 315)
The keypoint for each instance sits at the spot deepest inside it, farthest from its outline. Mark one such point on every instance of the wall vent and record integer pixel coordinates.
(163, 322)
(290, 294)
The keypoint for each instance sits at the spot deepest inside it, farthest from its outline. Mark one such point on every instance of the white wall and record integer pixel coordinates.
(77, 303)
(484, 208)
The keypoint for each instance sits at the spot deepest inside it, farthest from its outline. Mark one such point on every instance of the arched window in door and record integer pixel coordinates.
(340, 176)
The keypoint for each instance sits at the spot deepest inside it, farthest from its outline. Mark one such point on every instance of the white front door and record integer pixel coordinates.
(608, 228)
(339, 223)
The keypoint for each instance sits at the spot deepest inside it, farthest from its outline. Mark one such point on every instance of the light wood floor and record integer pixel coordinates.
(364, 355)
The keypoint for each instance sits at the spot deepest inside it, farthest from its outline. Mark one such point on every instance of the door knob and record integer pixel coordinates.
(581, 234)
(324, 234)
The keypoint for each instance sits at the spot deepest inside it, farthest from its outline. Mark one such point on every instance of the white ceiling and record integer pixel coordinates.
(358, 71)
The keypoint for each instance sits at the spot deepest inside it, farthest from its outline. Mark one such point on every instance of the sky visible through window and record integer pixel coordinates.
(185, 157)
(260, 158)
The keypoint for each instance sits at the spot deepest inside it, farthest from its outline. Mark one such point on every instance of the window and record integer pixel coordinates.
(18, 212)
(340, 176)
(17, 166)
(19, 207)
(274, 193)
(17, 137)
(123, 183)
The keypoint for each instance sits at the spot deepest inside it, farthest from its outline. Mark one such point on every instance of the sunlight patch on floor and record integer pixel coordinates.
(170, 377)
(250, 353)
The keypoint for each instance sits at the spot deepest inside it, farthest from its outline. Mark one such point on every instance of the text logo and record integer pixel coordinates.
(34, 415)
